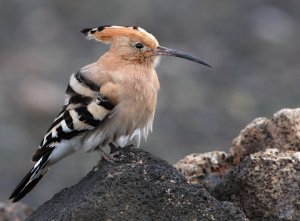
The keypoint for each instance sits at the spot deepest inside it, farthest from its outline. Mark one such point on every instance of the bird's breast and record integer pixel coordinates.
(138, 100)
(133, 89)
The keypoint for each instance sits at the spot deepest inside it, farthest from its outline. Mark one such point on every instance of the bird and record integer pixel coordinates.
(109, 102)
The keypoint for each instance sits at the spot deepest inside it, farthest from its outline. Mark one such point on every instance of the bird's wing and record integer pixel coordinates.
(84, 110)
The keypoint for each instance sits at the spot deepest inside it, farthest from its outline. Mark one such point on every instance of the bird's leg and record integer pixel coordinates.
(109, 157)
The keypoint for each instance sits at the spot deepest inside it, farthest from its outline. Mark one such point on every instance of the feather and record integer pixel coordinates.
(80, 113)
(112, 100)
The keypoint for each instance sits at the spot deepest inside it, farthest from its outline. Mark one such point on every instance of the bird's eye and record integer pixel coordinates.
(139, 45)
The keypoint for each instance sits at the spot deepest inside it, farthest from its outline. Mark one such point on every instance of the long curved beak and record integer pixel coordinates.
(163, 51)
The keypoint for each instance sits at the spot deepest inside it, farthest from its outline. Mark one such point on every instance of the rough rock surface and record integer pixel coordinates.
(261, 173)
(282, 131)
(14, 212)
(265, 185)
(205, 168)
(138, 187)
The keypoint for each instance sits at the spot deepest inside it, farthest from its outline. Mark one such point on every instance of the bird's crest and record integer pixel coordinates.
(107, 33)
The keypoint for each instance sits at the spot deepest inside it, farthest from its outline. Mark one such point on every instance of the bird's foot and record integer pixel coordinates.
(109, 157)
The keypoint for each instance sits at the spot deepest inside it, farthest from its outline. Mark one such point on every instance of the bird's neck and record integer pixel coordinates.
(113, 69)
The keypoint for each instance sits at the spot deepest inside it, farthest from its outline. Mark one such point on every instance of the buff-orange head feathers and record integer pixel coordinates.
(134, 43)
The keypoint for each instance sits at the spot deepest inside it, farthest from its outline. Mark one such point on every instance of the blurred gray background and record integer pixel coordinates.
(253, 46)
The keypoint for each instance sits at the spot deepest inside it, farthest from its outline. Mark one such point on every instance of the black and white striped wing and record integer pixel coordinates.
(84, 110)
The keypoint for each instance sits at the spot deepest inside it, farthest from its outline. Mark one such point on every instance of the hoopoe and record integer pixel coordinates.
(111, 101)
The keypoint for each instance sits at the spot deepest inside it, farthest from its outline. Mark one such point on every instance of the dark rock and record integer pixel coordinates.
(138, 187)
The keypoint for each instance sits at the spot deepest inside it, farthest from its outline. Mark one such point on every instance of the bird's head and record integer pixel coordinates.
(134, 44)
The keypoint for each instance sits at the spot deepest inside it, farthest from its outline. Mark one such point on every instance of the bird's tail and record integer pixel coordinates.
(31, 179)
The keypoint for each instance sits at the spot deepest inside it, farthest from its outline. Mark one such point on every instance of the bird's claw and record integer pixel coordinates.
(109, 157)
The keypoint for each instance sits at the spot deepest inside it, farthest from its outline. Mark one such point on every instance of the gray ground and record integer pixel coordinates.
(253, 46)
